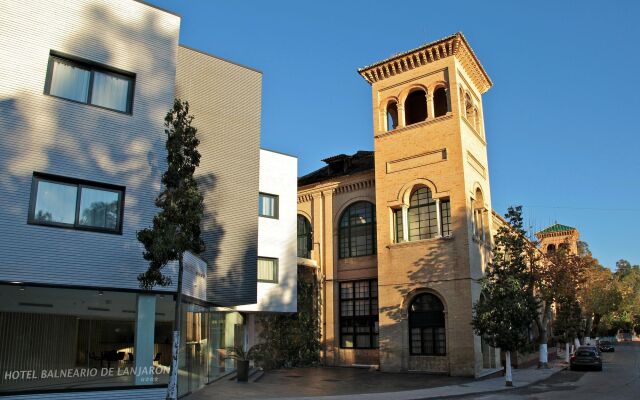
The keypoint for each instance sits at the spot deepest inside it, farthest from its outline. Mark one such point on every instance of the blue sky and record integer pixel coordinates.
(561, 118)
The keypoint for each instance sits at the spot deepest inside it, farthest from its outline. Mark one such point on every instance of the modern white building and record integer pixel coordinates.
(277, 262)
(85, 87)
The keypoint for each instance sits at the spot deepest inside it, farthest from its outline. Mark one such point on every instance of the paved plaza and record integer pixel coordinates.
(361, 384)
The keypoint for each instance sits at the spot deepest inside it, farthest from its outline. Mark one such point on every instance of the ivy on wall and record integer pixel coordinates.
(293, 340)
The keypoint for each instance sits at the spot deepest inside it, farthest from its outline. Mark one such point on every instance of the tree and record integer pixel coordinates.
(176, 227)
(568, 323)
(599, 295)
(507, 306)
(293, 340)
(556, 277)
(627, 280)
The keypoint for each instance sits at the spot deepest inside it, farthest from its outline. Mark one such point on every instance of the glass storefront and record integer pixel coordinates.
(59, 339)
(206, 334)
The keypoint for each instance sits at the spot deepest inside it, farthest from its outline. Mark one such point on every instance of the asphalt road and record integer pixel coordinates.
(619, 380)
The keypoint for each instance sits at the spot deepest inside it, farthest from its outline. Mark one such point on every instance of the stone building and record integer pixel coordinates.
(400, 234)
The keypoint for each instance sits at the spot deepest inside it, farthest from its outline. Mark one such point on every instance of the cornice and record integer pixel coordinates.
(454, 45)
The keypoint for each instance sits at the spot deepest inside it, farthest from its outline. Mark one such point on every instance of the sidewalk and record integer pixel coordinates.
(324, 384)
(521, 378)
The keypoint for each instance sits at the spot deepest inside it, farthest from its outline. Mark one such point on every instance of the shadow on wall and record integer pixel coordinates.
(46, 134)
(285, 291)
(432, 267)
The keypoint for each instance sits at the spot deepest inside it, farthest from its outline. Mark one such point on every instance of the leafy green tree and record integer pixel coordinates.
(568, 322)
(556, 277)
(599, 296)
(176, 227)
(293, 340)
(627, 279)
(507, 307)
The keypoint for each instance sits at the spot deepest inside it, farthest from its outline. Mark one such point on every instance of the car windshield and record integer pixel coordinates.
(586, 353)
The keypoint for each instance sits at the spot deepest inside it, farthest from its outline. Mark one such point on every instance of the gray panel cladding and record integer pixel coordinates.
(225, 99)
(138, 394)
(51, 135)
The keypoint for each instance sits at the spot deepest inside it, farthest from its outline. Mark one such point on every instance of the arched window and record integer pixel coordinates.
(357, 234)
(551, 249)
(468, 106)
(415, 107)
(440, 106)
(304, 237)
(479, 223)
(392, 116)
(426, 326)
(425, 218)
(476, 119)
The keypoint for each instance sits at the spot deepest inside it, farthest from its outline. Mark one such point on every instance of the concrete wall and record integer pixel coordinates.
(225, 99)
(277, 237)
(52, 135)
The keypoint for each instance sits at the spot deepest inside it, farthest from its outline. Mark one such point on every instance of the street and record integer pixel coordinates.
(620, 379)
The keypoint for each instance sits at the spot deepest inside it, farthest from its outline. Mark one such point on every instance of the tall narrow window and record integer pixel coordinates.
(268, 205)
(267, 270)
(427, 326)
(72, 203)
(304, 237)
(415, 107)
(359, 314)
(468, 104)
(440, 102)
(479, 223)
(399, 225)
(445, 217)
(392, 116)
(85, 82)
(357, 235)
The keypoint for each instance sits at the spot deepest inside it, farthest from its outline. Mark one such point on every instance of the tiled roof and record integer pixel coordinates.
(557, 228)
(340, 165)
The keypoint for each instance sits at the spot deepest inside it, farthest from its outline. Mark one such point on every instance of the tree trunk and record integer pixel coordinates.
(588, 326)
(172, 389)
(507, 375)
(543, 337)
(566, 352)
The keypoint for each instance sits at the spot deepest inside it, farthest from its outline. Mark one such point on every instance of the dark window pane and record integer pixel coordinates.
(358, 314)
(99, 208)
(426, 324)
(445, 217)
(304, 237)
(397, 215)
(55, 203)
(357, 231)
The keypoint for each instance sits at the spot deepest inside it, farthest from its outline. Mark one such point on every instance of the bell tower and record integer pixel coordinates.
(432, 205)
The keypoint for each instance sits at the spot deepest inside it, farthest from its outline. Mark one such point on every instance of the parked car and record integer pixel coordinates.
(606, 346)
(586, 357)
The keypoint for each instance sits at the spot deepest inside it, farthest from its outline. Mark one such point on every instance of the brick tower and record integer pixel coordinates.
(557, 235)
(432, 206)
